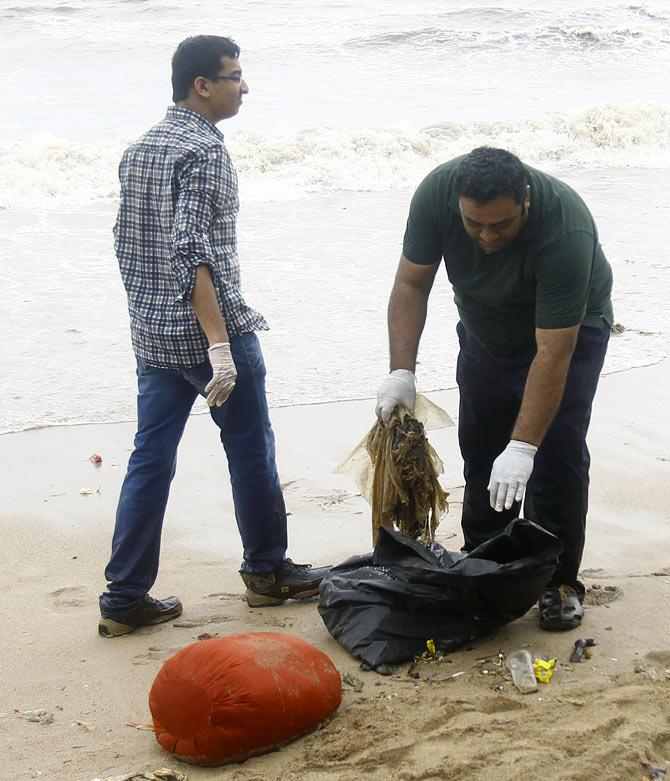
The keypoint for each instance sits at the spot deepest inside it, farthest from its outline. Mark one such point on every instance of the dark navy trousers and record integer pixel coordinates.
(165, 398)
(491, 388)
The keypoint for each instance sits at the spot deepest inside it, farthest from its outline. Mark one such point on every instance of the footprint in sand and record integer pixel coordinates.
(193, 621)
(225, 596)
(656, 665)
(661, 744)
(661, 658)
(499, 705)
(446, 714)
(264, 618)
(154, 654)
(70, 598)
(597, 595)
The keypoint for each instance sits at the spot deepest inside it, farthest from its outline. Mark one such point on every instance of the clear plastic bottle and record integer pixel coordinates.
(521, 666)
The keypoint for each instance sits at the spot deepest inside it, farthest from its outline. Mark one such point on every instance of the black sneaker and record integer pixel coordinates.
(288, 581)
(561, 607)
(150, 611)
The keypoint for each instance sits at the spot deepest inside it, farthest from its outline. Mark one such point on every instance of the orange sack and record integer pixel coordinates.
(225, 699)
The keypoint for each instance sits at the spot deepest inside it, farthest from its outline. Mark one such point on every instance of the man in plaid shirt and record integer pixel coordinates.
(192, 333)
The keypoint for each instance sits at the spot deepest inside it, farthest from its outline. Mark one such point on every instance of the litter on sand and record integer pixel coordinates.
(581, 649)
(520, 664)
(39, 716)
(351, 680)
(655, 773)
(163, 774)
(544, 669)
(84, 725)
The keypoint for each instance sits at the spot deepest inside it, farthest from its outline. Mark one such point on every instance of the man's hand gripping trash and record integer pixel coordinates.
(511, 470)
(398, 389)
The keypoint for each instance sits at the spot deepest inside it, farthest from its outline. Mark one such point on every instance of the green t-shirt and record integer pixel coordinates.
(552, 275)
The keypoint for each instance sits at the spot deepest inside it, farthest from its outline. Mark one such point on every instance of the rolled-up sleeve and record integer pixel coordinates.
(201, 188)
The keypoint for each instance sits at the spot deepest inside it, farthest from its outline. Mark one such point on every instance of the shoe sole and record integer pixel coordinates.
(560, 626)
(255, 599)
(107, 627)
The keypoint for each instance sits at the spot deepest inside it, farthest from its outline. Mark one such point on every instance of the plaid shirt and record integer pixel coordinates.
(178, 210)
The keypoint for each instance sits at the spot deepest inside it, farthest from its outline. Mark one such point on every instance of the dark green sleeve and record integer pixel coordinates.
(563, 271)
(423, 238)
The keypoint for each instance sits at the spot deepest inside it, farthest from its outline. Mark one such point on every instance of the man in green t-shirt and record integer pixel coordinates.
(532, 287)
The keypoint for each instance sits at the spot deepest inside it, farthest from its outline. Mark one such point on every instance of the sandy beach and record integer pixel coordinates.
(601, 719)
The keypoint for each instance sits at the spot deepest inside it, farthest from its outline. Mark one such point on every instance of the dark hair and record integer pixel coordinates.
(487, 173)
(199, 55)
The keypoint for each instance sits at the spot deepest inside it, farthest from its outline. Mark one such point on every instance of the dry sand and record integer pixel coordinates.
(601, 719)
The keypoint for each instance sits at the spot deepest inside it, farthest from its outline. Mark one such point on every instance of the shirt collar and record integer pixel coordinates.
(181, 114)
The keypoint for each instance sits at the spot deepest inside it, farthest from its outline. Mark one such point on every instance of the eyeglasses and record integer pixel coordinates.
(236, 79)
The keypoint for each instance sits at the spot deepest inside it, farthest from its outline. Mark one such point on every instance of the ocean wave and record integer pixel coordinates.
(651, 11)
(493, 11)
(586, 35)
(589, 35)
(425, 36)
(48, 172)
(26, 11)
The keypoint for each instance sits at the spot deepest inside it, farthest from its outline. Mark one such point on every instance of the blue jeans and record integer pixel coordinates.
(164, 402)
(491, 387)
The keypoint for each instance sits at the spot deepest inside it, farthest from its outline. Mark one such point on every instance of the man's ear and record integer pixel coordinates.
(201, 87)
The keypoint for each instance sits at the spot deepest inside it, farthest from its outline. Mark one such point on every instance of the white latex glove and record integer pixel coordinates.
(510, 473)
(223, 380)
(399, 388)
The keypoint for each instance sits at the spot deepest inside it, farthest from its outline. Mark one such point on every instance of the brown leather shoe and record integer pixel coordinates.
(288, 581)
(561, 607)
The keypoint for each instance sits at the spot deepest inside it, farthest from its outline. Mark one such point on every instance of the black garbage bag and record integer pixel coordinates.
(383, 606)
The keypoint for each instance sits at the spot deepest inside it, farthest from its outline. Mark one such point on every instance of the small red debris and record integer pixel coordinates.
(95, 459)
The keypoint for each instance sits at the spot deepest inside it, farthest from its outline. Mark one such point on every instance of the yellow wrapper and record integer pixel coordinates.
(430, 645)
(544, 669)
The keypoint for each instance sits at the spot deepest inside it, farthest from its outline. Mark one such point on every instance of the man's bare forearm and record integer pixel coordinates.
(206, 307)
(541, 400)
(544, 389)
(407, 310)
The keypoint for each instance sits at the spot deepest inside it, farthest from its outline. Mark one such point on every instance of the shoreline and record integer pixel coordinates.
(293, 405)
(54, 462)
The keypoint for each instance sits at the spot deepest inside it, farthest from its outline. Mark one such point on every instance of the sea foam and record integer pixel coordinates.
(49, 172)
